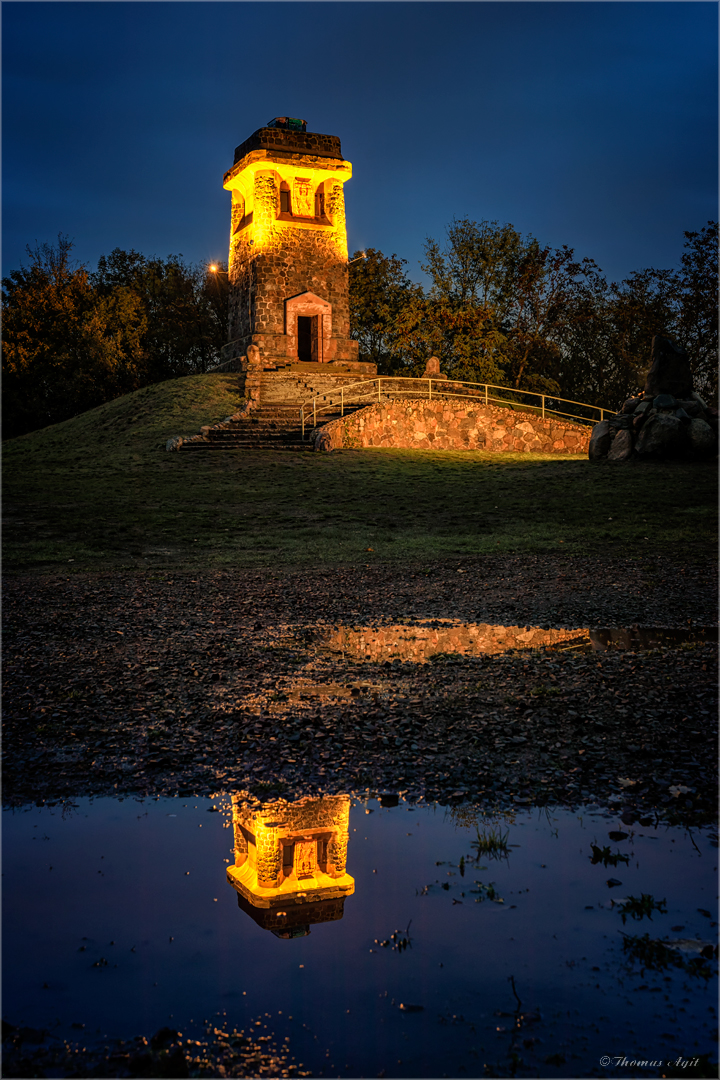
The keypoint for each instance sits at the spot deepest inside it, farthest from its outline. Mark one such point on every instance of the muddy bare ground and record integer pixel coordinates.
(142, 684)
(29, 1052)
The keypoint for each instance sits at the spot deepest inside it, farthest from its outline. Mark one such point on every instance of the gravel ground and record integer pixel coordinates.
(219, 1052)
(148, 685)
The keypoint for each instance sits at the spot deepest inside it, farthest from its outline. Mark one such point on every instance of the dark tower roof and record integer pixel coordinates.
(282, 140)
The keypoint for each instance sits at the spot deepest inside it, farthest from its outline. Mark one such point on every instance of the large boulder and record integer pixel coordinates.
(622, 446)
(661, 436)
(669, 370)
(599, 441)
(701, 438)
(328, 438)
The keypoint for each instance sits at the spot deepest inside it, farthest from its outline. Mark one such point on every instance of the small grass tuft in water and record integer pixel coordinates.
(491, 843)
(638, 908)
(487, 892)
(606, 857)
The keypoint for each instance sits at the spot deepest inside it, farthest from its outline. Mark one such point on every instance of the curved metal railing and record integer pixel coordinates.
(383, 387)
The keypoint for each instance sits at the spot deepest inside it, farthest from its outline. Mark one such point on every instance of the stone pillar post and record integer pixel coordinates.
(269, 856)
(251, 371)
(337, 846)
(241, 844)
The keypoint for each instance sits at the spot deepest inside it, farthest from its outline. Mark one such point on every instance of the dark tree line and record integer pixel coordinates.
(504, 309)
(73, 339)
(500, 308)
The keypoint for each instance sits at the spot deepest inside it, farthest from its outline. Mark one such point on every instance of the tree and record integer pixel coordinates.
(697, 316)
(463, 337)
(213, 290)
(379, 292)
(641, 306)
(511, 297)
(470, 293)
(185, 311)
(63, 351)
(475, 267)
(73, 340)
(682, 305)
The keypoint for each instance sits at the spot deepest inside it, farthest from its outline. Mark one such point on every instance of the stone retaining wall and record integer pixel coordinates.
(452, 425)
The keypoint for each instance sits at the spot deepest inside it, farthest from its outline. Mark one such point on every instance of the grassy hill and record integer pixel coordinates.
(100, 492)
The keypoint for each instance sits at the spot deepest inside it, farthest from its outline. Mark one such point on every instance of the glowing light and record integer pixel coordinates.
(286, 853)
(257, 181)
(419, 643)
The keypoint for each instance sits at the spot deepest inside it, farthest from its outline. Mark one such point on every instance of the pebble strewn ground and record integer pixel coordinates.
(145, 685)
(219, 1052)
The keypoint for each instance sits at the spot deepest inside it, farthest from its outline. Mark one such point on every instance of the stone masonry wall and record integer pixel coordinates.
(278, 819)
(274, 259)
(268, 858)
(286, 387)
(452, 425)
(282, 140)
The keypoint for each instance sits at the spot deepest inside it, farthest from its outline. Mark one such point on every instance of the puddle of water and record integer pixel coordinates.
(639, 639)
(128, 916)
(418, 642)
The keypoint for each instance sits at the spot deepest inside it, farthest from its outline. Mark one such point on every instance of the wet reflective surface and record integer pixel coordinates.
(639, 638)
(443, 942)
(417, 642)
(433, 847)
(290, 862)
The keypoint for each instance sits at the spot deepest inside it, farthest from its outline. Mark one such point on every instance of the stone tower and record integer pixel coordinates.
(288, 264)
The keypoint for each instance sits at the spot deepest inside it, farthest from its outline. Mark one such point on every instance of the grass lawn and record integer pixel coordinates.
(101, 492)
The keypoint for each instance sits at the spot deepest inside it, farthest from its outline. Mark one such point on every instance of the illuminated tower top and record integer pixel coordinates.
(288, 856)
(288, 247)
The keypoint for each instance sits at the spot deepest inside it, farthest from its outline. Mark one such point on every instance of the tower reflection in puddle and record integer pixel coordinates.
(290, 862)
(418, 643)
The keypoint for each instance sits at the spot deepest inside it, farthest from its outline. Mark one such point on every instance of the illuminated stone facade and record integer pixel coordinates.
(288, 263)
(452, 425)
(291, 853)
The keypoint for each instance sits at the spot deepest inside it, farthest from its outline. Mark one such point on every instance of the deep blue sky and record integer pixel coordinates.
(590, 124)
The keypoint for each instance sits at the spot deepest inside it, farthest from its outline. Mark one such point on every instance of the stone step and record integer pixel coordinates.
(248, 436)
(214, 448)
(269, 429)
(263, 425)
(283, 386)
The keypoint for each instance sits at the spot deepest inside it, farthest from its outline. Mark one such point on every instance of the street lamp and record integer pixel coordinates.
(362, 255)
(214, 269)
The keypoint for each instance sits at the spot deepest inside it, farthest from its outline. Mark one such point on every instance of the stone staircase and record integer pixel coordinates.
(275, 423)
(291, 387)
(265, 428)
(270, 427)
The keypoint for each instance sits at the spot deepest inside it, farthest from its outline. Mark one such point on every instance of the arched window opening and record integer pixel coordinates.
(285, 204)
(320, 203)
(238, 212)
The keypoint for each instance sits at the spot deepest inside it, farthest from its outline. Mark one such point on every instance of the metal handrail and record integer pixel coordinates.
(443, 389)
